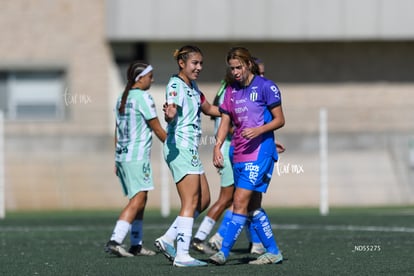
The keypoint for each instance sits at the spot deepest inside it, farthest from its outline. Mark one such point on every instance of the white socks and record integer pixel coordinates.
(120, 231)
(184, 232)
(171, 233)
(205, 228)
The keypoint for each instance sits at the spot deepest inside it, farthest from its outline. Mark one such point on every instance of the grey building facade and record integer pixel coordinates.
(62, 65)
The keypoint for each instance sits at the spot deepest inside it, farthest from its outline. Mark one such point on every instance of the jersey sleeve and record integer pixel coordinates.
(202, 98)
(272, 94)
(147, 107)
(225, 107)
(174, 92)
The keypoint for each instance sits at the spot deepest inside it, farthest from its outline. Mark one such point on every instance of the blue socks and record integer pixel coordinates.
(136, 232)
(224, 223)
(251, 233)
(261, 223)
(233, 231)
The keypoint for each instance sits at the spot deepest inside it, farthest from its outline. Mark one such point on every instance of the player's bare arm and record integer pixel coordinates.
(222, 131)
(209, 109)
(155, 125)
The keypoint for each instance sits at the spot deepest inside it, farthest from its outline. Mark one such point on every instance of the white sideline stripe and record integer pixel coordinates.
(355, 228)
(343, 228)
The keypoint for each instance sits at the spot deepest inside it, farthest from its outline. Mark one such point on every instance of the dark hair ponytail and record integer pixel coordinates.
(133, 71)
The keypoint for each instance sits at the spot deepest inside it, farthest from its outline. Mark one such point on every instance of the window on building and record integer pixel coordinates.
(32, 95)
(125, 53)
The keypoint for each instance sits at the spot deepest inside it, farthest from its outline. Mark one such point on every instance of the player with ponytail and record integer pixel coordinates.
(136, 118)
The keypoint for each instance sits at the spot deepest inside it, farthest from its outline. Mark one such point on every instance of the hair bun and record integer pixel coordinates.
(176, 53)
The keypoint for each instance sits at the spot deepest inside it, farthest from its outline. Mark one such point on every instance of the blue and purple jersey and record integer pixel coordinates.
(250, 107)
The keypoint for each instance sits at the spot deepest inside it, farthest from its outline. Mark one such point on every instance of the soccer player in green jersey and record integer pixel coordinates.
(184, 104)
(136, 118)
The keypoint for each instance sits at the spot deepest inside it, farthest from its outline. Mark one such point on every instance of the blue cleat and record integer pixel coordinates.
(192, 263)
(165, 248)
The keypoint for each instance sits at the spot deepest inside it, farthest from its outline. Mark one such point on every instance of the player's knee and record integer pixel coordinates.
(256, 214)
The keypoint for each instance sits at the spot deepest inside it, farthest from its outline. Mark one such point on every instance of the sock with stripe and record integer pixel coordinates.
(264, 230)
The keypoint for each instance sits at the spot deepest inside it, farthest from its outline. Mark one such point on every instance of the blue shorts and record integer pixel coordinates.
(255, 175)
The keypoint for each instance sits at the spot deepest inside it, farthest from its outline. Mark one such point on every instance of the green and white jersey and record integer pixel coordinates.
(185, 129)
(134, 136)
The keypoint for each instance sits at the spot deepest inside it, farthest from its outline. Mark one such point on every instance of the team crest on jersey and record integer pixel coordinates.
(172, 94)
(253, 96)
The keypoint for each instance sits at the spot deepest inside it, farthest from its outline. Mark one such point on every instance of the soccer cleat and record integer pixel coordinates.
(202, 247)
(139, 250)
(268, 258)
(218, 258)
(257, 248)
(116, 249)
(215, 241)
(165, 248)
(192, 263)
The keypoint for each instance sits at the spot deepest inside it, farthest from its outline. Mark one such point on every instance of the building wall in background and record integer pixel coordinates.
(65, 162)
(347, 56)
(262, 20)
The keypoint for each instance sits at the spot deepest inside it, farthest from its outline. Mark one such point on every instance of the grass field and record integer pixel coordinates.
(367, 241)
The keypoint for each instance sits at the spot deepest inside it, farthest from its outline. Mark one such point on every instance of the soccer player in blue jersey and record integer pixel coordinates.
(226, 191)
(252, 106)
(184, 104)
(136, 118)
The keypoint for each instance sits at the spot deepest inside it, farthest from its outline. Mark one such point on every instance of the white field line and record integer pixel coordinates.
(350, 228)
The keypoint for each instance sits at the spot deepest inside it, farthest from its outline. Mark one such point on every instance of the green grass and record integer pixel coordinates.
(367, 241)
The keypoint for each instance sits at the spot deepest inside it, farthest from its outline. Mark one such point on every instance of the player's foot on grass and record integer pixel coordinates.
(116, 249)
(215, 242)
(139, 250)
(190, 263)
(165, 248)
(218, 258)
(202, 247)
(268, 258)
